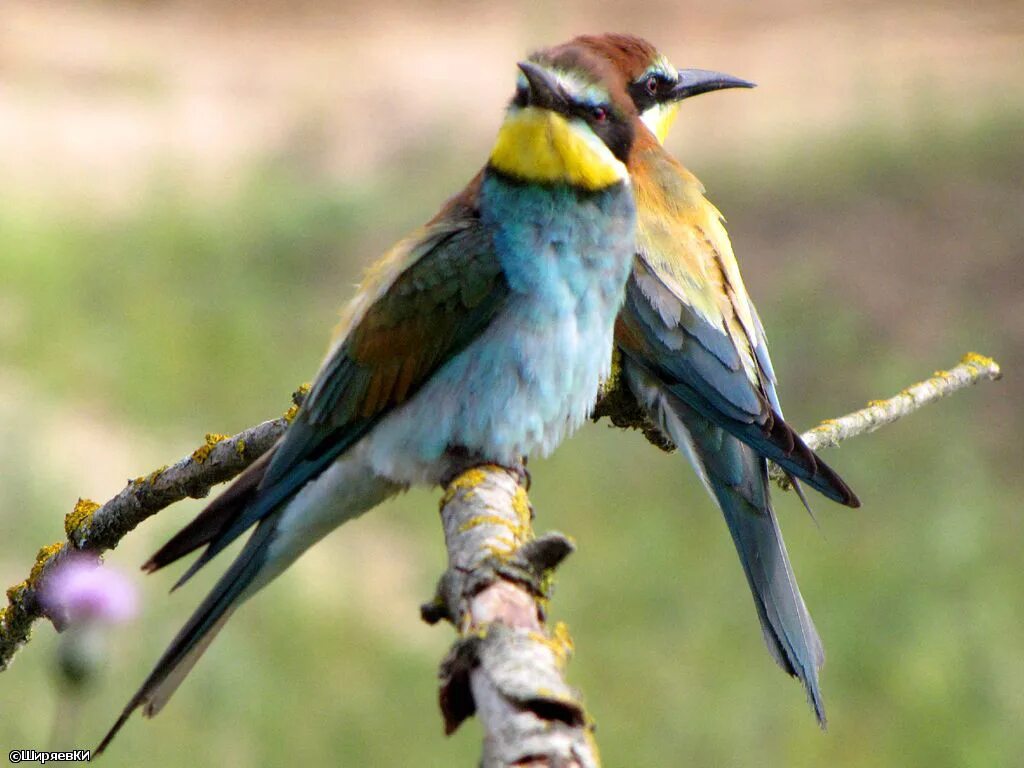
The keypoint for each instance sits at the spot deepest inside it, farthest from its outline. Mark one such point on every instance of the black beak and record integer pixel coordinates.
(545, 91)
(693, 82)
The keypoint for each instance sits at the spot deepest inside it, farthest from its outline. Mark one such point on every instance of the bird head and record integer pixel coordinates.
(655, 86)
(571, 121)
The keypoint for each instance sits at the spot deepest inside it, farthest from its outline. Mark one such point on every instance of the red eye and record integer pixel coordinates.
(652, 85)
(600, 114)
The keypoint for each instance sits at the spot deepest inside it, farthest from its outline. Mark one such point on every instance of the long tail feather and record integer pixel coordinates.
(194, 638)
(737, 478)
(788, 629)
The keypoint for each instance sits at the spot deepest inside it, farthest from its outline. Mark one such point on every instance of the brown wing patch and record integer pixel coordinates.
(428, 313)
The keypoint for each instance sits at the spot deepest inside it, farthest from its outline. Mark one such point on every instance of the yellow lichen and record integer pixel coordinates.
(468, 629)
(561, 634)
(293, 409)
(43, 556)
(466, 482)
(973, 358)
(202, 453)
(151, 477)
(501, 549)
(614, 374)
(547, 583)
(826, 425)
(446, 498)
(559, 642)
(982, 361)
(521, 506)
(877, 403)
(15, 593)
(471, 478)
(240, 447)
(80, 516)
(476, 522)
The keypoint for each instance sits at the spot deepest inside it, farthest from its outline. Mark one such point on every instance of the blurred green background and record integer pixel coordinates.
(188, 191)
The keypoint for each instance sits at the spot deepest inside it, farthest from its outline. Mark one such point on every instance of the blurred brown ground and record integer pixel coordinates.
(115, 88)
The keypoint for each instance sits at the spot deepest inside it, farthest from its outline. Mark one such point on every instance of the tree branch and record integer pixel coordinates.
(971, 369)
(506, 666)
(620, 407)
(93, 529)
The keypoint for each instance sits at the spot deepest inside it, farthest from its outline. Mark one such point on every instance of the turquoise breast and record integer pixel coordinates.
(532, 376)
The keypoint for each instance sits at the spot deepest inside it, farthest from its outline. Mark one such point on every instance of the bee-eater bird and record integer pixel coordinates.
(481, 338)
(694, 354)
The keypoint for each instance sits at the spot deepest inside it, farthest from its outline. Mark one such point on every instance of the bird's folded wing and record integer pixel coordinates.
(419, 307)
(700, 349)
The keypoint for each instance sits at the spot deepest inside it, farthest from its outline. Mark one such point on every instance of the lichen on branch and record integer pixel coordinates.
(507, 666)
(94, 528)
(971, 369)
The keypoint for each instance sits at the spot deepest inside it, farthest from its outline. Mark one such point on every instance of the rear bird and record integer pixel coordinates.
(694, 354)
(481, 338)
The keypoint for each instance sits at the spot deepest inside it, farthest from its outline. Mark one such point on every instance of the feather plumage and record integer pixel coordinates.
(485, 334)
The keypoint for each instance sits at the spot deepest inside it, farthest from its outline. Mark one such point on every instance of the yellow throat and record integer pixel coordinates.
(541, 146)
(659, 119)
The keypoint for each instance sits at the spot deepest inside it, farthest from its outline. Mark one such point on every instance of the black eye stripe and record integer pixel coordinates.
(643, 97)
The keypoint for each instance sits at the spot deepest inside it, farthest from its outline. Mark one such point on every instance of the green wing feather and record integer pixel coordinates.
(420, 306)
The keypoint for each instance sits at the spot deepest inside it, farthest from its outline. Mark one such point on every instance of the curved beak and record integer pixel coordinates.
(693, 82)
(545, 90)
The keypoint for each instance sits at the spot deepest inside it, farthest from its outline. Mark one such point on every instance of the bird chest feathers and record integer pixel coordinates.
(532, 376)
(560, 247)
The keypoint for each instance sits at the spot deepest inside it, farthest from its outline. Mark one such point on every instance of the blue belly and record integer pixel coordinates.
(532, 376)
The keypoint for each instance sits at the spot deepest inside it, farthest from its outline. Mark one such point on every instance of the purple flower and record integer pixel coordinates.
(81, 590)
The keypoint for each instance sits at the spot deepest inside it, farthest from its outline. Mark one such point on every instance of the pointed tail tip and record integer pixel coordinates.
(102, 746)
(819, 712)
(116, 727)
(815, 700)
(810, 686)
(841, 492)
(836, 490)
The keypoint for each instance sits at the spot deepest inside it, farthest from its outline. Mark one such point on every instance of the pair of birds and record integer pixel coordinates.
(484, 336)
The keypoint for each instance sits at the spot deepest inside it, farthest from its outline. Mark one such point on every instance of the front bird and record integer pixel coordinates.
(481, 338)
(695, 357)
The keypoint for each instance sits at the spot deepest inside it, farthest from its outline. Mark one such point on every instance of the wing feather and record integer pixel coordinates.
(688, 320)
(437, 292)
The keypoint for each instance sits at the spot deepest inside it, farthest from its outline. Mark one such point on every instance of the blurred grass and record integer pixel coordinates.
(186, 315)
